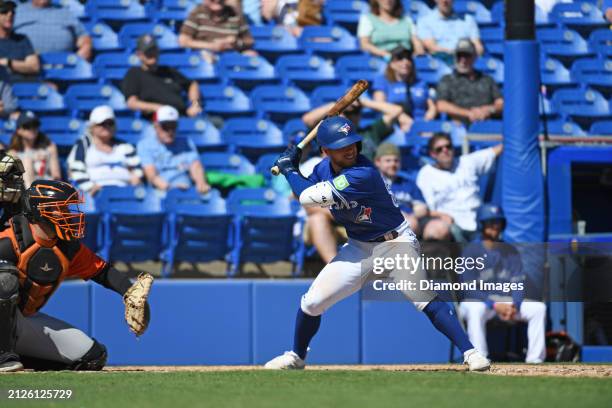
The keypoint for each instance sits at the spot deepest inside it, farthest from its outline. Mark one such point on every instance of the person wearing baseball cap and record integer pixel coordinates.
(171, 161)
(466, 94)
(150, 86)
(16, 52)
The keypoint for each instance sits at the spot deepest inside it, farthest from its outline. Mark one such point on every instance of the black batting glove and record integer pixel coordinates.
(289, 161)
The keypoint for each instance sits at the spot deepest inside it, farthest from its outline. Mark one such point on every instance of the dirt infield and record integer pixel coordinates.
(554, 370)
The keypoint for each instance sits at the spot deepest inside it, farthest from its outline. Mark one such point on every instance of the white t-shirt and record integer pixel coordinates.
(456, 192)
(109, 169)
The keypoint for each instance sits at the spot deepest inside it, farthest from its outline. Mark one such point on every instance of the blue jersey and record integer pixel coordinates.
(413, 98)
(406, 192)
(363, 203)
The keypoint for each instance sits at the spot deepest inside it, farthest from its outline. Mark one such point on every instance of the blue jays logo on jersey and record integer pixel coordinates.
(365, 215)
(346, 128)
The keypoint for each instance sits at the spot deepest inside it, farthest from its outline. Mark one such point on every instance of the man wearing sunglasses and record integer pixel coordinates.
(16, 52)
(171, 161)
(150, 86)
(450, 187)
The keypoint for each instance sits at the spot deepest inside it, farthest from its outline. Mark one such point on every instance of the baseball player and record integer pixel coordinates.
(11, 186)
(38, 251)
(354, 191)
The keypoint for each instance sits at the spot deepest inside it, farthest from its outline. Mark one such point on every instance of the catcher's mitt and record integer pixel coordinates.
(137, 313)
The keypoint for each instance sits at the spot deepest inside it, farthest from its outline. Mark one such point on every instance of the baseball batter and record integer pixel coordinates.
(354, 191)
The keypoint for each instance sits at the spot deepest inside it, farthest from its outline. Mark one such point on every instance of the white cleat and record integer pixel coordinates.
(476, 361)
(287, 361)
(11, 366)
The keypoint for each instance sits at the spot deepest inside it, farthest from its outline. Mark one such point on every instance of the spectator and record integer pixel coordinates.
(213, 27)
(16, 52)
(385, 28)
(405, 191)
(502, 265)
(373, 134)
(451, 189)
(283, 12)
(8, 101)
(150, 86)
(52, 28)
(442, 29)
(169, 161)
(36, 151)
(468, 95)
(606, 8)
(99, 159)
(400, 86)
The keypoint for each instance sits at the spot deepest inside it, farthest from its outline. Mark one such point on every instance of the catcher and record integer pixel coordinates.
(11, 186)
(38, 251)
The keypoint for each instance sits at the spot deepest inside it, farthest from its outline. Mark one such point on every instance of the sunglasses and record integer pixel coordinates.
(7, 10)
(108, 123)
(443, 147)
(403, 56)
(168, 126)
(30, 126)
(464, 55)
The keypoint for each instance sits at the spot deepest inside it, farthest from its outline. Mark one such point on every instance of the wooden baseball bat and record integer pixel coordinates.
(349, 97)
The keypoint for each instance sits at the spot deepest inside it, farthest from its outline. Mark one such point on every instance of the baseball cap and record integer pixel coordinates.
(146, 42)
(465, 46)
(100, 114)
(7, 5)
(387, 149)
(166, 114)
(27, 118)
(400, 52)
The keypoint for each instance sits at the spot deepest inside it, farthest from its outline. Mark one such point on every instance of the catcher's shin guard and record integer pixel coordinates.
(9, 293)
(93, 360)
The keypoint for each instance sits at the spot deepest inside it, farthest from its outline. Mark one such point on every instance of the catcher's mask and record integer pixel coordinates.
(56, 203)
(11, 178)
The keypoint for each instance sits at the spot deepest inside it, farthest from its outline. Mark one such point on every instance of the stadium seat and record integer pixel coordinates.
(562, 128)
(546, 108)
(554, 75)
(487, 127)
(477, 10)
(246, 71)
(134, 224)
(329, 42)
(131, 130)
(294, 129)
(425, 129)
(416, 8)
(595, 73)
(116, 10)
(225, 100)
(93, 233)
(64, 131)
(326, 93)
(265, 163)
(169, 11)
(264, 226)
(190, 64)
(305, 71)
(7, 128)
(274, 41)
(103, 37)
(230, 163)
(603, 127)
(345, 13)
(430, 69)
(114, 66)
(38, 97)
(352, 68)
(198, 228)
(202, 133)
(66, 67)
(493, 40)
(584, 106)
(280, 102)
(581, 16)
(83, 98)
(253, 137)
(600, 42)
(491, 66)
(167, 40)
(565, 45)
(76, 8)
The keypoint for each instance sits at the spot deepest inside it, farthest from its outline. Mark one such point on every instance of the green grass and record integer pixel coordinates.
(319, 389)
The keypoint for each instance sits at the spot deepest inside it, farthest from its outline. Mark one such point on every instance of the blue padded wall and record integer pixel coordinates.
(70, 303)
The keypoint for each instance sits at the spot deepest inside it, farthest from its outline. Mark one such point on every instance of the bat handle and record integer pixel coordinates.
(275, 171)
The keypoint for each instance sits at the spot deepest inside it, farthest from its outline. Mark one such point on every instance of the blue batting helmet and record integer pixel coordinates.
(337, 132)
(491, 212)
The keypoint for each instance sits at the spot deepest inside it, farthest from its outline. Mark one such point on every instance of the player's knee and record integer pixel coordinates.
(312, 305)
(537, 309)
(9, 285)
(93, 360)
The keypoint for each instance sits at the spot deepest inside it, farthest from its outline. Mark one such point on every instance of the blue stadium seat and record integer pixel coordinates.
(305, 71)
(345, 13)
(554, 75)
(280, 102)
(7, 128)
(476, 9)
(584, 106)
(326, 94)
(231, 163)
(38, 97)
(430, 69)
(565, 45)
(487, 126)
(416, 8)
(76, 8)
(355, 67)
(493, 40)
(114, 66)
(600, 42)
(199, 227)
(116, 10)
(294, 128)
(273, 41)
(252, 137)
(131, 130)
(265, 163)
(202, 133)
(169, 11)
(425, 129)
(264, 229)
(66, 67)
(562, 128)
(491, 66)
(329, 42)
(596, 73)
(581, 16)
(246, 71)
(93, 232)
(134, 224)
(603, 127)
(225, 100)
(166, 39)
(190, 64)
(546, 107)
(84, 97)
(103, 37)
(64, 131)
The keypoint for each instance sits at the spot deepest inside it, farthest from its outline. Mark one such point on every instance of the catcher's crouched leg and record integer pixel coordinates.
(93, 360)
(9, 291)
